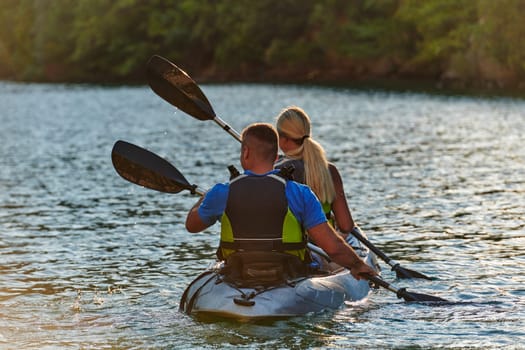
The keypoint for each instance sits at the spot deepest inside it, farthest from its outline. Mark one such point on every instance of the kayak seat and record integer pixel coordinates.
(262, 268)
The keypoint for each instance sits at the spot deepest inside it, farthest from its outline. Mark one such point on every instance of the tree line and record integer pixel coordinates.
(449, 43)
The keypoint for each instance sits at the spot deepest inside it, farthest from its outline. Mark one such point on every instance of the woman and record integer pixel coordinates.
(311, 166)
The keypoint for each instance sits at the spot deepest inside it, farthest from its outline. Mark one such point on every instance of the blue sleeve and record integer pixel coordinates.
(214, 204)
(304, 205)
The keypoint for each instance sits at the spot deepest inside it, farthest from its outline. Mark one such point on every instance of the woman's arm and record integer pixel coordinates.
(343, 217)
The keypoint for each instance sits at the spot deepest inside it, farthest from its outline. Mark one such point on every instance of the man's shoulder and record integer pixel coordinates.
(299, 188)
(295, 184)
(221, 185)
(218, 189)
(304, 204)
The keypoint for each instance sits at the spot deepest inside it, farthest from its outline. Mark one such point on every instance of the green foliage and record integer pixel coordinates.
(501, 32)
(16, 37)
(358, 29)
(102, 32)
(251, 31)
(442, 27)
(111, 40)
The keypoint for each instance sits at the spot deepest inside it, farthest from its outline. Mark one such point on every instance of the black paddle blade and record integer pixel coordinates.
(147, 169)
(418, 297)
(403, 293)
(177, 88)
(402, 272)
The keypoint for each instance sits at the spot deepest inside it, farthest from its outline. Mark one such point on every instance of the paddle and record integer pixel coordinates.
(177, 88)
(403, 293)
(147, 169)
(400, 292)
(134, 164)
(400, 271)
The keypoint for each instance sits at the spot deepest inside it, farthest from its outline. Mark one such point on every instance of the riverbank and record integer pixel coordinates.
(359, 76)
(369, 77)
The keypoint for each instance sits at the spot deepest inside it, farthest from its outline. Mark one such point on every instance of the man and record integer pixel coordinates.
(261, 211)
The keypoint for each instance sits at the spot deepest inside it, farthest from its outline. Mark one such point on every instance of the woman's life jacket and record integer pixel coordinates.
(298, 175)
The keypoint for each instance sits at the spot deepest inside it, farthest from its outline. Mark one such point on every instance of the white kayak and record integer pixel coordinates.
(328, 289)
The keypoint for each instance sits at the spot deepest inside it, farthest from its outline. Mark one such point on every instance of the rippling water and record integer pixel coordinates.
(88, 260)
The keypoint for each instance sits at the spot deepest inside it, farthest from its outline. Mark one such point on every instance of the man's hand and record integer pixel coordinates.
(361, 270)
(324, 236)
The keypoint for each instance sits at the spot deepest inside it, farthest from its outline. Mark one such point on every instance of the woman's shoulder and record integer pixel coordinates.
(332, 167)
(282, 159)
(295, 167)
(334, 172)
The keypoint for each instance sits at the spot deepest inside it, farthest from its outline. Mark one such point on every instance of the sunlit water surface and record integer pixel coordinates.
(90, 261)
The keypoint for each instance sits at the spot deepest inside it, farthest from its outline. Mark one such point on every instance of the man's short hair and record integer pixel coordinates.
(262, 138)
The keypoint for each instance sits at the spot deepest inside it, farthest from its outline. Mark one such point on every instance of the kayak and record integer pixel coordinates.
(328, 287)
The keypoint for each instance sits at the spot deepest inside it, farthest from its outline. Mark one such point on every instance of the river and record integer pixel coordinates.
(90, 261)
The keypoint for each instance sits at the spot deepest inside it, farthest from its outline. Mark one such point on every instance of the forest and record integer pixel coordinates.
(449, 44)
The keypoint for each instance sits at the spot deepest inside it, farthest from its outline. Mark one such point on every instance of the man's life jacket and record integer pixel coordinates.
(257, 218)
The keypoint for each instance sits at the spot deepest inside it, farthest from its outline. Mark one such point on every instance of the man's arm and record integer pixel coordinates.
(324, 236)
(194, 222)
(208, 209)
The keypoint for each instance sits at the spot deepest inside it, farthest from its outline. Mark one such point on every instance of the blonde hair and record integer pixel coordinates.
(294, 123)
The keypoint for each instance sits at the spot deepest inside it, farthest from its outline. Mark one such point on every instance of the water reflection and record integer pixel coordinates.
(88, 260)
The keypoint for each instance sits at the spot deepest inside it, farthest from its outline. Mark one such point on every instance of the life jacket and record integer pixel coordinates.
(257, 218)
(298, 175)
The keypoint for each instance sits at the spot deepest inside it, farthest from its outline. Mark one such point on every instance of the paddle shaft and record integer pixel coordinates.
(227, 128)
(373, 248)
